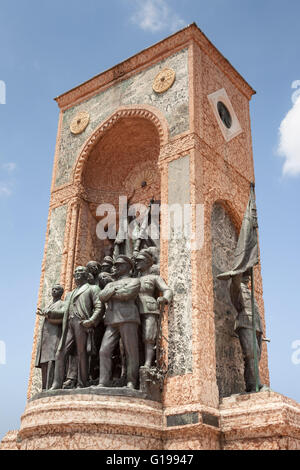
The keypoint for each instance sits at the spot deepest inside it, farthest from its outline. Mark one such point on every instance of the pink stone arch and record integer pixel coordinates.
(144, 112)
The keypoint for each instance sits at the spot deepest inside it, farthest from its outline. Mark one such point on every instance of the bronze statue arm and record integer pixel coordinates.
(55, 322)
(128, 292)
(107, 292)
(162, 286)
(98, 311)
(55, 314)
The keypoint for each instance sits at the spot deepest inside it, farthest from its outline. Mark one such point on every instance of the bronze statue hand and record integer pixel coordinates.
(87, 324)
(41, 313)
(110, 289)
(162, 302)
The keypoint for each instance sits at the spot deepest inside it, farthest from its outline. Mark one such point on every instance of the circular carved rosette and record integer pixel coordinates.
(80, 123)
(164, 80)
(136, 181)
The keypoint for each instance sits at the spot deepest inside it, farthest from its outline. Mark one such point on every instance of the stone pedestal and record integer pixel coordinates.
(70, 422)
(263, 421)
(260, 421)
(10, 441)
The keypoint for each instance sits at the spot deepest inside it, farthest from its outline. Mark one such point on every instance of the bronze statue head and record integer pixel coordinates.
(81, 275)
(57, 291)
(123, 265)
(143, 260)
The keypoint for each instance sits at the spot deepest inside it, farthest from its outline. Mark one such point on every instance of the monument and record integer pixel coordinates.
(155, 346)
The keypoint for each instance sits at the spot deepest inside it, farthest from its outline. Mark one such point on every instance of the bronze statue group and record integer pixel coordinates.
(107, 331)
(107, 328)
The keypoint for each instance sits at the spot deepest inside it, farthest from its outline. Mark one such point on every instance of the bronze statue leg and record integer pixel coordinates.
(149, 333)
(246, 341)
(109, 342)
(50, 374)
(60, 359)
(44, 369)
(129, 335)
(81, 341)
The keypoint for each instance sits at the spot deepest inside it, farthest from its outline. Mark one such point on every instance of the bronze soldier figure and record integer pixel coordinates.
(82, 313)
(149, 305)
(50, 336)
(241, 298)
(122, 321)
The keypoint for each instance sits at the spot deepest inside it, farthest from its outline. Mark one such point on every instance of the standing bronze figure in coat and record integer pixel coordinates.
(52, 318)
(83, 313)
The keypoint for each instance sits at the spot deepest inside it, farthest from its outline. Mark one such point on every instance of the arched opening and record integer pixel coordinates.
(122, 162)
(229, 359)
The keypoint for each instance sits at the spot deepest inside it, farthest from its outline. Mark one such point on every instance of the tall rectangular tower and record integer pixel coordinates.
(171, 124)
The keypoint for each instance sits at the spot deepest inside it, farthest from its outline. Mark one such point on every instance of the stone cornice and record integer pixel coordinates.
(149, 56)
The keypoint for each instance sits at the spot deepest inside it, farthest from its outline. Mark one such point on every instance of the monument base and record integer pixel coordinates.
(257, 421)
(10, 441)
(79, 421)
(260, 421)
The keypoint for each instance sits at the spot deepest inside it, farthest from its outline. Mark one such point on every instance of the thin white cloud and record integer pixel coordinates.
(7, 180)
(10, 167)
(289, 140)
(5, 189)
(156, 15)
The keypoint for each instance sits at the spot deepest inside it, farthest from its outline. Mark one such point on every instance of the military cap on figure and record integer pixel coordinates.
(106, 264)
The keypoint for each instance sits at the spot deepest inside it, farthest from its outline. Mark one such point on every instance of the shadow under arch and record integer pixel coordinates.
(119, 159)
(146, 112)
(231, 211)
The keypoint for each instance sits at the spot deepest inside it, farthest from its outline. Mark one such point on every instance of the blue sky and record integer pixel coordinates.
(47, 48)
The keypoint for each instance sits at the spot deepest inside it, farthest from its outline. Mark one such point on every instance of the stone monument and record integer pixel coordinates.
(170, 124)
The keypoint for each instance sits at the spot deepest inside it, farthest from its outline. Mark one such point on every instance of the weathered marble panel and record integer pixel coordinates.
(229, 359)
(179, 275)
(136, 90)
(54, 251)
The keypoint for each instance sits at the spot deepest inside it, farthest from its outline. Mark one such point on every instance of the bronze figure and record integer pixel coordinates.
(83, 312)
(241, 298)
(50, 336)
(122, 321)
(149, 304)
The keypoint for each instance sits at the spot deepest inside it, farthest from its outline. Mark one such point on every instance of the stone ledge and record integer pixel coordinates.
(10, 441)
(262, 421)
(265, 420)
(105, 391)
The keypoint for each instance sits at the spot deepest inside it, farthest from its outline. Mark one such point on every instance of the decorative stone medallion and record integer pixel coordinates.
(164, 80)
(80, 122)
